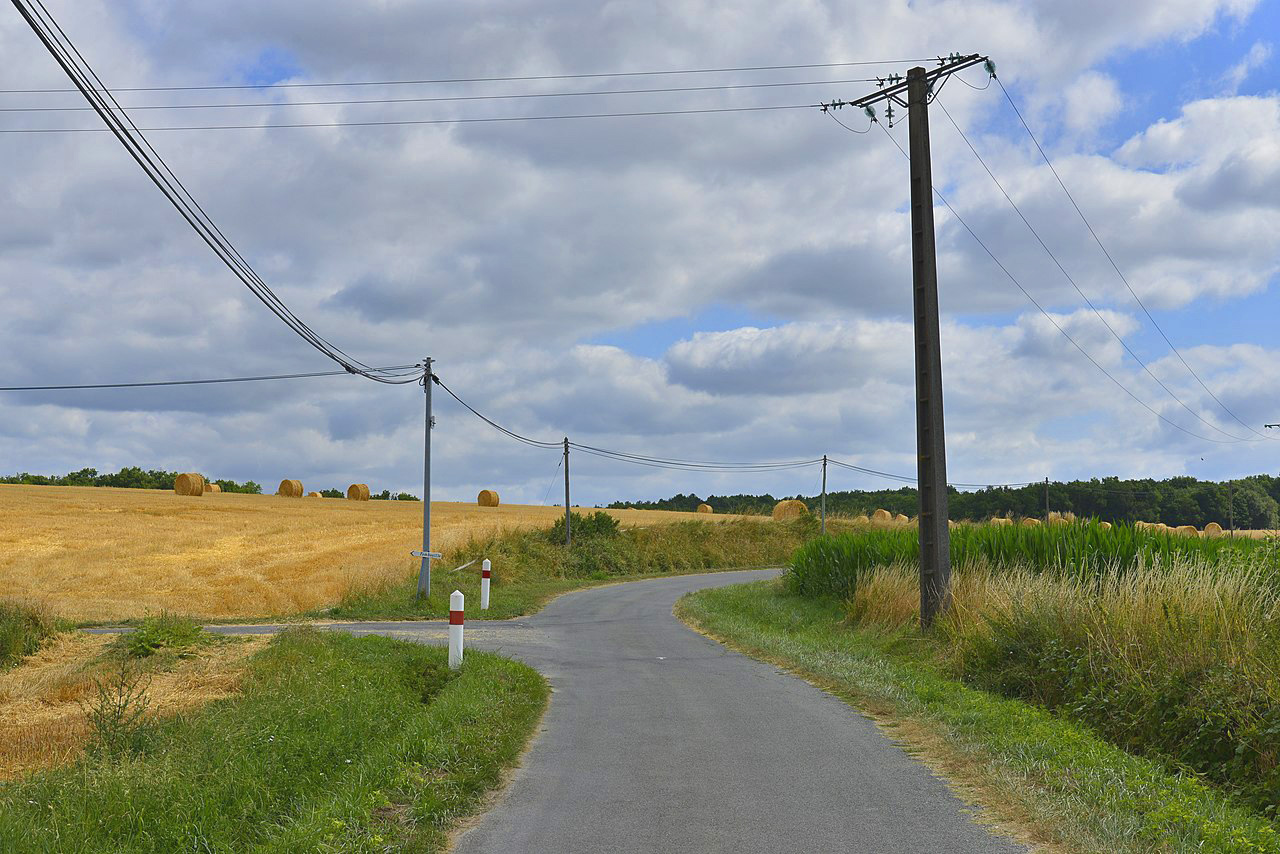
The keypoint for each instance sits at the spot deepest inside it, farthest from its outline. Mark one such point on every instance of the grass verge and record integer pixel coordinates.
(1055, 779)
(531, 567)
(336, 743)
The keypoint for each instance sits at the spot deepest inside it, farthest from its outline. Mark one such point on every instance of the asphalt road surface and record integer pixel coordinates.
(661, 740)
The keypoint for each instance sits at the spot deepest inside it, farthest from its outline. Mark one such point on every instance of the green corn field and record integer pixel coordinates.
(833, 565)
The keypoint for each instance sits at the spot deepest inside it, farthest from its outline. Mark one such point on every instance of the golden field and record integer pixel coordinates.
(96, 553)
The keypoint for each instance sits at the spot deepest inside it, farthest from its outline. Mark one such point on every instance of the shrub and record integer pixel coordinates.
(23, 628)
(117, 715)
(595, 526)
(165, 632)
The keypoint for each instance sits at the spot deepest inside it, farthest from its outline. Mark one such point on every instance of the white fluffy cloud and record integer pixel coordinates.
(503, 249)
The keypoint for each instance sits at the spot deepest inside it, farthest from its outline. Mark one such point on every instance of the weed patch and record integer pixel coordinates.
(23, 628)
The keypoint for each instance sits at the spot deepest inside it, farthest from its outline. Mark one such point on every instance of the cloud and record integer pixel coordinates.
(500, 248)
(1257, 57)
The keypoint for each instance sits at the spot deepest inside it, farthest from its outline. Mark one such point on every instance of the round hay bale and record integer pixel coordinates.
(358, 492)
(1000, 520)
(705, 508)
(189, 484)
(882, 516)
(314, 495)
(290, 489)
(212, 487)
(1106, 526)
(1188, 530)
(790, 509)
(1030, 522)
(902, 519)
(1212, 529)
(487, 498)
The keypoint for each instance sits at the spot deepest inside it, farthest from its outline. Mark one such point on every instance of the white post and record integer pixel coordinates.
(455, 630)
(484, 585)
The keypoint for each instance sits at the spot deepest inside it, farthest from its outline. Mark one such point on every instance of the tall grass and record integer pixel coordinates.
(834, 565)
(23, 628)
(1179, 663)
(1168, 645)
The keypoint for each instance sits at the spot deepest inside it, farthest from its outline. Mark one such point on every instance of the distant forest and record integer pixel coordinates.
(1252, 502)
(133, 477)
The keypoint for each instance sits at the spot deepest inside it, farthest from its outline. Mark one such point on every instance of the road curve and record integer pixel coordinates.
(658, 739)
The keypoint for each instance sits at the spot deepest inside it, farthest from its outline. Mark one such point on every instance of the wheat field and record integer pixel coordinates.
(95, 553)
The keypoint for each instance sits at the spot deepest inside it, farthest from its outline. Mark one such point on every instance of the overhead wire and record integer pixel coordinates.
(1047, 315)
(1075, 286)
(506, 79)
(1116, 266)
(157, 170)
(427, 122)
(452, 98)
(399, 370)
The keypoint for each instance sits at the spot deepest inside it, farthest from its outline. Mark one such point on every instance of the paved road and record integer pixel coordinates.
(661, 740)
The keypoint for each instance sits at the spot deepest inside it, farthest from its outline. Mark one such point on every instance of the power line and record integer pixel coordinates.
(452, 98)
(1042, 310)
(153, 165)
(509, 79)
(406, 122)
(1077, 288)
(1115, 266)
(396, 368)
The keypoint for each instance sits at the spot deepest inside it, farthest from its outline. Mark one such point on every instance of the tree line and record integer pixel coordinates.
(129, 477)
(133, 477)
(1250, 502)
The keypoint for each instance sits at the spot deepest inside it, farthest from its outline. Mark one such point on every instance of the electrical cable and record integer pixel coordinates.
(621, 456)
(1116, 266)
(139, 148)
(494, 424)
(448, 98)
(514, 79)
(417, 370)
(1077, 288)
(413, 122)
(1050, 318)
(849, 129)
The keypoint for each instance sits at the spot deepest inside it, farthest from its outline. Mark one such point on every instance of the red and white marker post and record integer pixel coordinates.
(484, 585)
(455, 629)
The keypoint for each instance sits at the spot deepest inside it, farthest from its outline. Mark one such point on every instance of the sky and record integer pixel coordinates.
(722, 286)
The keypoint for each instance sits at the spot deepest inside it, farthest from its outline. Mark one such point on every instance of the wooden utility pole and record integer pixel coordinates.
(931, 452)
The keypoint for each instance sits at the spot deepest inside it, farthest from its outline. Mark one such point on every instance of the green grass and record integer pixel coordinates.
(23, 628)
(834, 565)
(532, 566)
(1036, 770)
(336, 744)
(170, 634)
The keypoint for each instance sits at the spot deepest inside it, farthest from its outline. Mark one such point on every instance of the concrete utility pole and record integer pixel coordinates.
(824, 494)
(424, 572)
(568, 536)
(935, 536)
(1046, 500)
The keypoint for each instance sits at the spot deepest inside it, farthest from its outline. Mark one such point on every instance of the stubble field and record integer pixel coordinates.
(94, 553)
